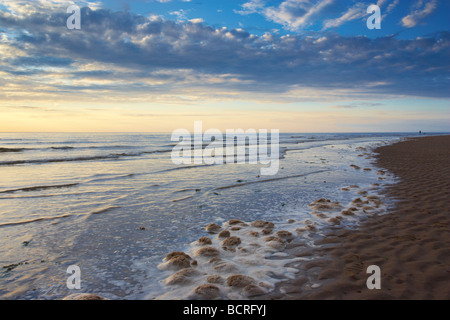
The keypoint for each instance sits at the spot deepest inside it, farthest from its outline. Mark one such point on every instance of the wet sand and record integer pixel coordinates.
(410, 244)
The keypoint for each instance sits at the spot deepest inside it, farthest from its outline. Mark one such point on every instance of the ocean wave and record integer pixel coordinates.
(8, 224)
(40, 219)
(13, 149)
(103, 210)
(186, 190)
(65, 147)
(62, 148)
(87, 158)
(39, 196)
(181, 199)
(112, 147)
(102, 178)
(186, 167)
(241, 184)
(40, 188)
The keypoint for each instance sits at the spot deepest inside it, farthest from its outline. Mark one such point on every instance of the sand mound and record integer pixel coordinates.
(283, 234)
(215, 278)
(213, 228)
(262, 224)
(224, 234)
(233, 222)
(181, 277)
(239, 281)
(176, 253)
(204, 241)
(226, 267)
(324, 205)
(84, 296)
(231, 242)
(207, 252)
(176, 263)
(207, 291)
(252, 290)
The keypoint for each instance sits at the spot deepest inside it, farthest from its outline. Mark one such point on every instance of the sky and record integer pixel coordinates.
(160, 65)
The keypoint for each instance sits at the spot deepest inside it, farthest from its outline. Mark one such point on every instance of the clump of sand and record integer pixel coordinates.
(234, 263)
(183, 276)
(239, 280)
(230, 242)
(213, 228)
(207, 291)
(204, 241)
(247, 259)
(176, 261)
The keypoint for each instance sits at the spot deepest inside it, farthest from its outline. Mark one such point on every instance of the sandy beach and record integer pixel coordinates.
(409, 244)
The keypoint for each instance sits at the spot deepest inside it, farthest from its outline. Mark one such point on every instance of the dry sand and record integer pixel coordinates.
(410, 244)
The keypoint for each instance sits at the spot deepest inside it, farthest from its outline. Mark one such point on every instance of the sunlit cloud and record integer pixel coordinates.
(420, 10)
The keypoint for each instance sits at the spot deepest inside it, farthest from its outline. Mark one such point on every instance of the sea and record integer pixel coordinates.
(115, 204)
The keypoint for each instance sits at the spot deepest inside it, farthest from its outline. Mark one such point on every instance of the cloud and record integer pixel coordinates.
(26, 7)
(392, 6)
(292, 14)
(297, 15)
(420, 10)
(359, 11)
(121, 56)
(355, 12)
(346, 106)
(196, 20)
(357, 105)
(41, 61)
(252, 6)
(180, 14)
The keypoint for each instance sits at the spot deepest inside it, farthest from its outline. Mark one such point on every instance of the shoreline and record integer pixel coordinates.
(409, 243)
(209, 275)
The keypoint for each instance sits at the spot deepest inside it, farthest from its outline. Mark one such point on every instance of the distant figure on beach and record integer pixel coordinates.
(420, 131)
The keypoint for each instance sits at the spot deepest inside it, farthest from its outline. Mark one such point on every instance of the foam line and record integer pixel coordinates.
(269, 180)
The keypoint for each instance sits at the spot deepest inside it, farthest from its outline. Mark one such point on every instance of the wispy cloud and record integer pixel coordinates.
(180, 14)
(357, 11)
(252, 6)
(392, 6)
(292, 14)
(357, 105)
(420, 10)
(295, 14)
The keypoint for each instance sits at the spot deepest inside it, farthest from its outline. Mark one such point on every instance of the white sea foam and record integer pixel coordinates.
(256, 250)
